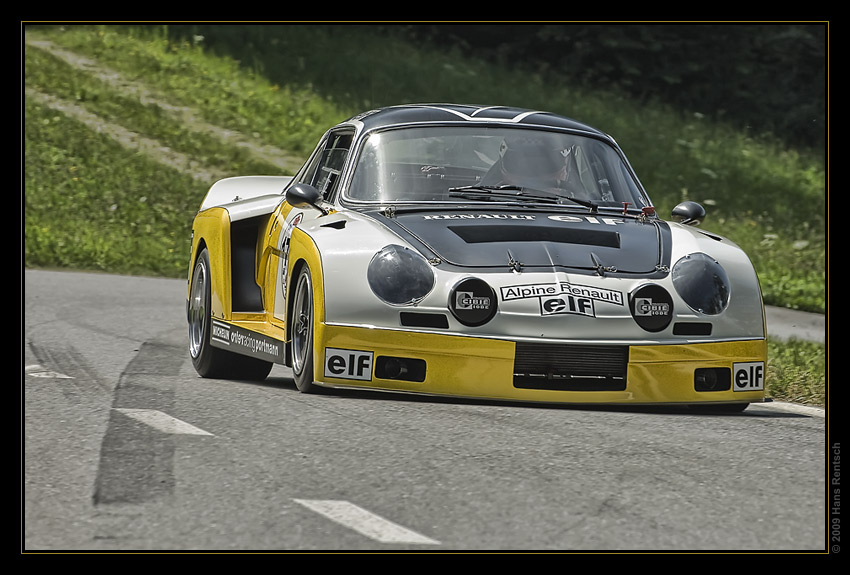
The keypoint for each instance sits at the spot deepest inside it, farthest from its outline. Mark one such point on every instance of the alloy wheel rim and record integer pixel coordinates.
(197, 310)
(301, 326)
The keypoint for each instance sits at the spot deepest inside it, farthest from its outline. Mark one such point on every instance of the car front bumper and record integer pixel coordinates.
(499, 369)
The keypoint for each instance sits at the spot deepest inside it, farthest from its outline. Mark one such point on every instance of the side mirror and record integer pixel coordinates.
(303, 196)
(689, 213)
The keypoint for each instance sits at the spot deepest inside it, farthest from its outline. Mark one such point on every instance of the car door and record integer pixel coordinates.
(323, 171)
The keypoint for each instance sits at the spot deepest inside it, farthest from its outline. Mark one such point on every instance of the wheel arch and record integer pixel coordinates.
(304, 251)
(211, 231)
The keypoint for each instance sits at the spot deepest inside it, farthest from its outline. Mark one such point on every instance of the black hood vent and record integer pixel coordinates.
(513, 233)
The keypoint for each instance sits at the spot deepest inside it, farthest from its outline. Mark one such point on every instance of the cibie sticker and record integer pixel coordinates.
(348, 364)
(468, 300)
(651, 307)
(748, 376)
(644, 306)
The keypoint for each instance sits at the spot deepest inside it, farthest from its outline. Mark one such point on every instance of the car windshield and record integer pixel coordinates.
(449, 163)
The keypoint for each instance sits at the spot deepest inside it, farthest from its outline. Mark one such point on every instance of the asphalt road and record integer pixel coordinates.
(787, 323)
(126, 449)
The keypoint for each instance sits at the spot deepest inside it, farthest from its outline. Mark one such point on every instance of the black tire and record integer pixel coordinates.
(302, 318)
(209, 361)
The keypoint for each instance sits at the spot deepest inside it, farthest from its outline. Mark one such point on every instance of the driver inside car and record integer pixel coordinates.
(530, 163)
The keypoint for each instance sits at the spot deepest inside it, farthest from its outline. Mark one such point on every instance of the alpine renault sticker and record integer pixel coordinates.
(348, 364)
(563, 288)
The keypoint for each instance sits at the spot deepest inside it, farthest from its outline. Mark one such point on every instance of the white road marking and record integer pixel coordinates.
(36, 370)
(162, 421)
(365, 522)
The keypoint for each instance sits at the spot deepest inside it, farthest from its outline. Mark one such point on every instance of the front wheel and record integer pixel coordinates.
(210, 361)
(302, 333)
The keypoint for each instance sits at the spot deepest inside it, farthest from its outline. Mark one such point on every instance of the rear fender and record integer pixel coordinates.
(211, 229)
(234, 191)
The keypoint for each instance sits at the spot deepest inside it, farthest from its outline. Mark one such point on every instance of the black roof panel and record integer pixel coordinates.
(416, 113)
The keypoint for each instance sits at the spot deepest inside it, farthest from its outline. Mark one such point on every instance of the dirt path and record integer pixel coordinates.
(133, 141)
(130, 140)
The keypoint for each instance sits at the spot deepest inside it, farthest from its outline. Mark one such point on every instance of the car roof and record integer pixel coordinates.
(423, 113)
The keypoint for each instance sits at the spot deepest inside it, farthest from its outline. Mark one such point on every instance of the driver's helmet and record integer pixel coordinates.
(532, 161)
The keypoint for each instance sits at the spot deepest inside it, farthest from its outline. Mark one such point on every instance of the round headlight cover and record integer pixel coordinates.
(702, 282)
(399, 275)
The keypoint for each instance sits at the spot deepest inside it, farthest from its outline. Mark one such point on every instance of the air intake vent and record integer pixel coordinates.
(513, 234)
(415, 319)
(567, 367)
(691, 328)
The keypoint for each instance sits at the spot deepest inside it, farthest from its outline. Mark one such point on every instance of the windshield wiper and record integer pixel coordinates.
(517, 193)
(486, 189)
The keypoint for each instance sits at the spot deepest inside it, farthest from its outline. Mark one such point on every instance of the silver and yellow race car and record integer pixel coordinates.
(480, 252)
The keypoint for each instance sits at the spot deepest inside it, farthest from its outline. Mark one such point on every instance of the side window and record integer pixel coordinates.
(324, 171)
(310, 171)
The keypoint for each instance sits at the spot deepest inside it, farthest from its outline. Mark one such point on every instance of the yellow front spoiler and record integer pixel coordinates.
(483, 368)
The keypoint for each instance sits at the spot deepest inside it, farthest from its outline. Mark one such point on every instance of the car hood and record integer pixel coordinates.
(522, 238)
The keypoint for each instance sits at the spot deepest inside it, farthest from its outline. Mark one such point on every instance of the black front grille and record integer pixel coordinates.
(568, 367)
